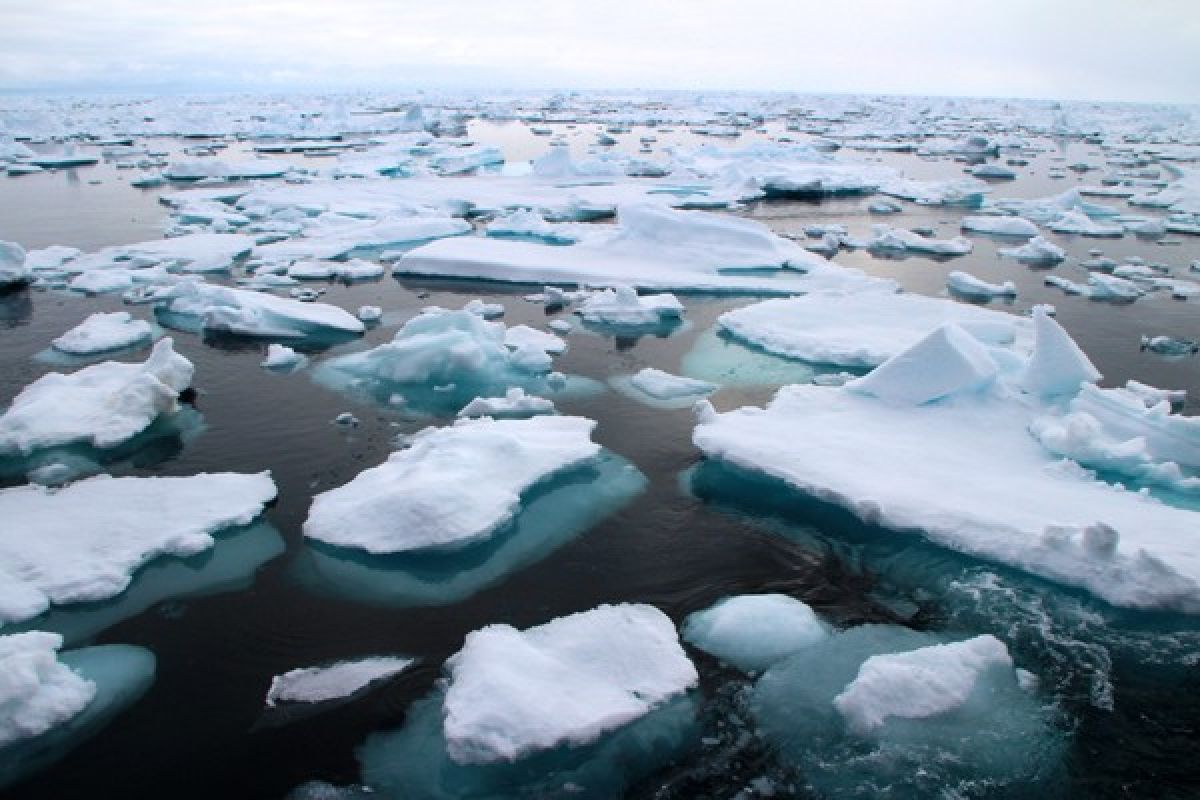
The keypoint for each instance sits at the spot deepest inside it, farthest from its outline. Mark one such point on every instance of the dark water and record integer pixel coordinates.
(1127, 683)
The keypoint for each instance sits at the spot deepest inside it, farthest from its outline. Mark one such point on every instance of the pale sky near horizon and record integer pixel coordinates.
(1065, 49)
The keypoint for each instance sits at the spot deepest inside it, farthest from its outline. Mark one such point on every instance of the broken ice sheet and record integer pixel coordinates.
(551, 514)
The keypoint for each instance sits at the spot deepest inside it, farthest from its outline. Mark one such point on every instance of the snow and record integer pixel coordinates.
(569, 681)
(947, 362)
(343, 679)
(624, 306)
(83, 542)
(885, 238)
(967, 285)
(999, 226)
(248, 313)
(102, 405)
(104, 331)
(918, 684)
(665, 386)
(451, 487)
(1036, 251)
(514, 403)
(13, 268)
(753, 631)
(1057, 366)
(37, 691)
(280, 356)
(861, 329)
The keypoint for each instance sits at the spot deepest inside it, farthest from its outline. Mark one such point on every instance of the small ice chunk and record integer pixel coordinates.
(514, 403)
(280, 356)
(1170, 345)
(946, 362)
(519, 336)
(1057, 366)
(665, 386)
(999, 226)
(101, 332)
(623, 306)
(513, 693)
(37, 691)
(484, 310)
(13, 270)
(370, 313)
(919, 684)
(967, 285)
(753, 631)
(248, 313)
(559, 326)
(452, 487)
(102, 405)
(343, 679)
(885, 238)
(1036, 251)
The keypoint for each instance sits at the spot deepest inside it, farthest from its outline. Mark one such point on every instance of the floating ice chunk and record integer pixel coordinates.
(1170, 346)
(560, 326)
(527, 223)
(885, 238)
(340, 680)
(1057, 366)
(198, 252)
(515, 403)
(665, 386)
(993, 172)
(452, 487)
(519, 336)
(353, 270)
(191, 304)
(484, 310)
(999, 226)
(968, 193)
(280, 356)
(102, 405)
(214, 169)
(13, 269)
(37, 691)
(101, 332)
(369, 313)
(1113, 289)
(861, 329)
(514, 693)
(753, 631)
(1067, 285)
(920, 684)
(623, 306)
(346, 420)
(1036, 251)
(947, 362)
(1077, 222)
(967, 285)
(82, 543)
(884, 207)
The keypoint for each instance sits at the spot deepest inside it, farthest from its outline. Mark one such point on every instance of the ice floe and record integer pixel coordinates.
(964, 284)
(754, 631)
(101, 332)
(195, 306)
(514, 403)
(336, 681)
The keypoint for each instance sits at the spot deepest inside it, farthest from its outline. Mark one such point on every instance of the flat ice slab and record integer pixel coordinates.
(452, 487)
(569, 681)
(861, 329)
(101, 332)
(195, 305)
(83, 542)
(102, 405)
(336, 681)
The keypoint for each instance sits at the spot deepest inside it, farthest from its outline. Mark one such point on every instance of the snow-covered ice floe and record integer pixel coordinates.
(552, 513)
(651, 247)
(886, 239)
(999, 226)
(754, 631)
(82, 543)
(662, 389)
(595, 701)
(937, 440)
(1036, 251)
(451, 487)
(862, 329)
(514, 403)
(335, 681)
(101, 332)
(101, 406)
(964, 284)
(51, 701)
(195, 306)
(880, 705)
(624, 307)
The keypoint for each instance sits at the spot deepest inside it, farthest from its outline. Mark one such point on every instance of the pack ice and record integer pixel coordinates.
(101, 406)
(451, 487)
(82, 543)
(938, 440)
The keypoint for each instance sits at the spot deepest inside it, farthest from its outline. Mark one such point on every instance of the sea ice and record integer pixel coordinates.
(967, 285)
(451, 487)
(192, 305)
(623, 306)
(37, 692)
(104, 331)
(885, 238)
(282, 357)
(754, 631)
(340, 680)
(13, 269)
(665, 386)
(999, 226)
(947, 362)
(102, 405)
(1036, 251)
(83, 542)
(514, 403)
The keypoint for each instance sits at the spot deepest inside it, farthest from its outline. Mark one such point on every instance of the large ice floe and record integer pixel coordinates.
(592, 701)
(650, 247)
(879, 705)
(196, 306)
(862, 329)
(52, 701)
(451, 487)
(440, 360)
(100, 406)
(937, 440)
(84, 542)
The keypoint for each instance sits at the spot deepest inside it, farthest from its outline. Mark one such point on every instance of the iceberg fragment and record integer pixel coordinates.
(754, 631)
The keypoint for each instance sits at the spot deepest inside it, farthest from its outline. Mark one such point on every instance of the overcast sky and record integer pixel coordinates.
(1148, 50)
